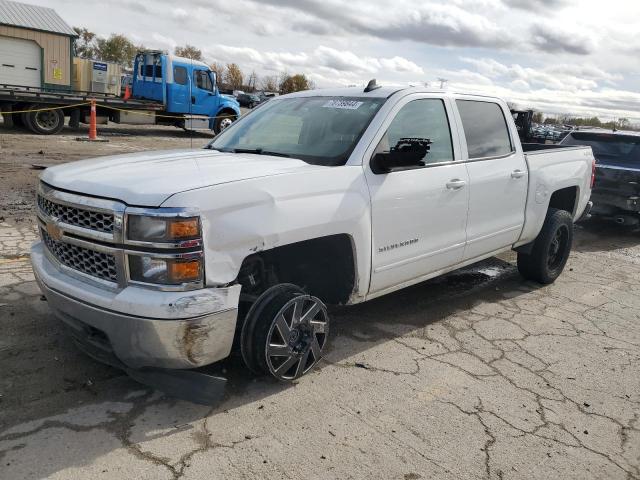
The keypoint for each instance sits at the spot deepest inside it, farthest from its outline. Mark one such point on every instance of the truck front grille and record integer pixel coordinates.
(91, 262)
(79, 217)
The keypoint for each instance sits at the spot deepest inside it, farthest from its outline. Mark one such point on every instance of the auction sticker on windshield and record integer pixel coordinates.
(346, 104)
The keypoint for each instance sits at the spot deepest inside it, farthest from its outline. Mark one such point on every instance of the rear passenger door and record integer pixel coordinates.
(497, 176)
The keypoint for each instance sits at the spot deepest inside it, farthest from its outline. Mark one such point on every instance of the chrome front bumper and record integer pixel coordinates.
(143, 328)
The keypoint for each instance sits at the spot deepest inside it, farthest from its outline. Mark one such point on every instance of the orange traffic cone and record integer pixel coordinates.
(93, 131)
(127, 92)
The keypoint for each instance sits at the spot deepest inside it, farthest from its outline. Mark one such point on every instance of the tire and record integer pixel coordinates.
(25, 121)
(550, 250)
(223, 121)
(284, 311)
(17, 120)
(48, 122)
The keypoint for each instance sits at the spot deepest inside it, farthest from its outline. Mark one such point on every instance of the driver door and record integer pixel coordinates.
(419, 215)
(204, 100)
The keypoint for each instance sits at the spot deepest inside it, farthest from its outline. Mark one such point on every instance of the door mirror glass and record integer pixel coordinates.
(405, 154)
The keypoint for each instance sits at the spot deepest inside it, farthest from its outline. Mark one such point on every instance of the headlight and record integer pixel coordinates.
(154, 229)
(164, 271)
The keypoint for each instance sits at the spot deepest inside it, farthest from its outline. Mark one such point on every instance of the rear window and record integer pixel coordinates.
(620, 150)
(180, 75)
(485, 129)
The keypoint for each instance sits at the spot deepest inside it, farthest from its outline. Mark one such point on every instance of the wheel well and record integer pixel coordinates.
(564, 199)
(227, 110)
(324, 267)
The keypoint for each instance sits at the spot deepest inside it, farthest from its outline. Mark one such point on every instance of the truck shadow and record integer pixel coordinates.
(600, 235)
(403, 312)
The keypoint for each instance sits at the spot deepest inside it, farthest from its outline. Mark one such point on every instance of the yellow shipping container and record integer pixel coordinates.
(96, 76)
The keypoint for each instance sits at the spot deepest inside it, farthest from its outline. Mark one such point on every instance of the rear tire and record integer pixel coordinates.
(551, 249)
(285, 333)
(48, 122)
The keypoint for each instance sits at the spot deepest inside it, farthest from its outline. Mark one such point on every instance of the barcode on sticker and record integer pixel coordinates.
(346, 104)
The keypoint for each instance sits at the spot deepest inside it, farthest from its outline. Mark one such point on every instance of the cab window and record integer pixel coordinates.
(202, 80)
(180, 75)
(421, 119)
(485, 129)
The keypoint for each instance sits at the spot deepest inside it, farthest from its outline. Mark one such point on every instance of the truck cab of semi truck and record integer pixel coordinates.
(185, 87)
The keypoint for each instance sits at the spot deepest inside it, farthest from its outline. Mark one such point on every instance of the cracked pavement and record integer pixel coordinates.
(475, 375)
(478, 374)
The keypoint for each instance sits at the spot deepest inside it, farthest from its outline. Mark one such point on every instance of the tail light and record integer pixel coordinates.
(593, 173)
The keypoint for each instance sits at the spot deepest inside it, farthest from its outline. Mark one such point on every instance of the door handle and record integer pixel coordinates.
(518, 174)
(455, 184)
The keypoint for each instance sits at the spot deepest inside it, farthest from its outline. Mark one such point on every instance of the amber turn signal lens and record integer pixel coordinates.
(184, 271)
(188, 228)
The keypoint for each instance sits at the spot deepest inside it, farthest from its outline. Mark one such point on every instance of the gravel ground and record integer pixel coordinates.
(478, 374)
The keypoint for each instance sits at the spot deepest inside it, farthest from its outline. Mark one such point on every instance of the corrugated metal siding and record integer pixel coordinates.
(57, 52)
(17, 14)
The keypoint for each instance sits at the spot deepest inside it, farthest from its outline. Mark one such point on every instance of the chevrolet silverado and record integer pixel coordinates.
(167, 260)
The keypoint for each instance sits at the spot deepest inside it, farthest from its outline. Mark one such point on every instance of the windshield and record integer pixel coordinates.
(317, 130)
(609, 149)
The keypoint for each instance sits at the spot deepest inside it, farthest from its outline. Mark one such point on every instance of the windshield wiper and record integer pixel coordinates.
(259, 151)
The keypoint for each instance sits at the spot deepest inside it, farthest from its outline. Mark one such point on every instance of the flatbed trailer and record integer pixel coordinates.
(43, 112)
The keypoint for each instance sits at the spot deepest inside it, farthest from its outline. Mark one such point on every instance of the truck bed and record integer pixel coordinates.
(18, 94)
(553, 168)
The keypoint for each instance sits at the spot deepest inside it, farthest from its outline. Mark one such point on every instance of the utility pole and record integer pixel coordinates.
(442, 81)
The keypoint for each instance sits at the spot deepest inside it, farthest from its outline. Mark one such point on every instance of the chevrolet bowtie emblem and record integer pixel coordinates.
(54, 231)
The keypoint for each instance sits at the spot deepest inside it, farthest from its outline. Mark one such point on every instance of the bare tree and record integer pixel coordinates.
(269, 83)
(252, 81)
(623, 123)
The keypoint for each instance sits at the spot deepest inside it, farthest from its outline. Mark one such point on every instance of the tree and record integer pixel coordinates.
(218, 69)
(189, 51)
(623, 123)
(269, 83)
(117, 48)
(295, 83)
(537, 117)
(85, 43)
(252, 81)
(233, 76)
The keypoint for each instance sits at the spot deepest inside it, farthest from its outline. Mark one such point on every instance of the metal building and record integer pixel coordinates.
(36, 47)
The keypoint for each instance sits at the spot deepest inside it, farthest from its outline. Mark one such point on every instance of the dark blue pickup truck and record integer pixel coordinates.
(616, 193)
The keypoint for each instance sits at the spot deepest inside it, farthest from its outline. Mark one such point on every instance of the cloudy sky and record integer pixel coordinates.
(559, 56)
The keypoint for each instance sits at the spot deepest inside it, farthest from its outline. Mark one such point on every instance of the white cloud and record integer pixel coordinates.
(558, 55)
(323, 61)
(162, 42)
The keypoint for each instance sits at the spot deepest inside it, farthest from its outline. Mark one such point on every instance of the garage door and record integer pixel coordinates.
(20, 62)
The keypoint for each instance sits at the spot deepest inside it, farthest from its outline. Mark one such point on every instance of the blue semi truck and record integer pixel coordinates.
(166, 90)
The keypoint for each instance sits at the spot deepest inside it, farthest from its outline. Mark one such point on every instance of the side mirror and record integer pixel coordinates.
(408, 153)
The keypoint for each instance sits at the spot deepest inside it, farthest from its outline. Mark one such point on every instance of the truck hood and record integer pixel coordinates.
(147, 179)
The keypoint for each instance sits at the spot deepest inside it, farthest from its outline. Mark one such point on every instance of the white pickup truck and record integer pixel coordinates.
(166, 260)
